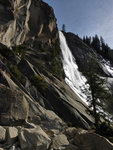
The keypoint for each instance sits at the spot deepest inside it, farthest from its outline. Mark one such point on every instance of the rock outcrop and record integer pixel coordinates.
(28, 21)
(36, 105)
(90, 141)
(14, 108)
(34, 69)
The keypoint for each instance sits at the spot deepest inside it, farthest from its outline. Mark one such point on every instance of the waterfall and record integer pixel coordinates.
(74, 78)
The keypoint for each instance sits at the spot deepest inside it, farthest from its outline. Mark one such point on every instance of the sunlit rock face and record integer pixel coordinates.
(26, 21)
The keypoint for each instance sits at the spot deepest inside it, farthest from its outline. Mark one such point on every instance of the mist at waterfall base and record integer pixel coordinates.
(74, 78)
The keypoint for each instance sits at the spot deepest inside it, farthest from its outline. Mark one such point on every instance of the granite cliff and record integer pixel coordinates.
(36, 105)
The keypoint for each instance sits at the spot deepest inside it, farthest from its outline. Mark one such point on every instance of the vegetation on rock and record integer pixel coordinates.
(56, 64)
(39, 82)
(16, 72)
(20, 50)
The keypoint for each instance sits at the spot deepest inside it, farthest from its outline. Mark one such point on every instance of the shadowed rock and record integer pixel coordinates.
(13, 107)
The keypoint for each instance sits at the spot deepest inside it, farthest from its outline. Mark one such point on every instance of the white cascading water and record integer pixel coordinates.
(74, 78)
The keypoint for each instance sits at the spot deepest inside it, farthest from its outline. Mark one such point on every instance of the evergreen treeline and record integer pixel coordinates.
(98, 44)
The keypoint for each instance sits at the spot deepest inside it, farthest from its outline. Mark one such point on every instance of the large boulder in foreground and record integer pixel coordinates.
(13, 107)
(34, 139)
(92, 141)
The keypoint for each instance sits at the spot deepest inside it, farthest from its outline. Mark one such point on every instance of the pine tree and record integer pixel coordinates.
(64, 28)
(98, 93)
(96, 43)
(102, 43)
(104, 48)
(84, 39)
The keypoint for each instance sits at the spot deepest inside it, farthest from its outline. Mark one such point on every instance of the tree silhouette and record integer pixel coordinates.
(96, 43)
(98, 92)
(64, 28)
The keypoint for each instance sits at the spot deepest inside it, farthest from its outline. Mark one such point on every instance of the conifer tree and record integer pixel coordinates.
(64, 28)
(84, 39)
(98, 93)
(96, 43)
(102, 43)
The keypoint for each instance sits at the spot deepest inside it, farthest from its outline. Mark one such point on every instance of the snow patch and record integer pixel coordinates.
(107, 68)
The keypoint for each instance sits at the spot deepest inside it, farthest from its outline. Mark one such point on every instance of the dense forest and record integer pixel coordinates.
(99, 45)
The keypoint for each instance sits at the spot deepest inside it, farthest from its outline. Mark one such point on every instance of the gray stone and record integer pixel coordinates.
(71, 131)
(60, 141)
(35, 139)
(90, 141)
(12, 134)
(2, 134)
(14, 108)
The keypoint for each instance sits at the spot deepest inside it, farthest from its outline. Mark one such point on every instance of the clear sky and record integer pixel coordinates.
(85, 17)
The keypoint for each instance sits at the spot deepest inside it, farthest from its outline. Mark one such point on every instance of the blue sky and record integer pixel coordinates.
(85, 17)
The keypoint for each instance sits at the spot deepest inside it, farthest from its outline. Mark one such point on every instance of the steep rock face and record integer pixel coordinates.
(25, 21)
(13, 107)
(33, 94)
(36, 68)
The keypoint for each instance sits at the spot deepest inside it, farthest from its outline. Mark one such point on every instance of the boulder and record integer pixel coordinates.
(35, 139)
(2, 134)
(92, 141)
(13, 107)
(12, 134)
(71, 131)
(60, 141)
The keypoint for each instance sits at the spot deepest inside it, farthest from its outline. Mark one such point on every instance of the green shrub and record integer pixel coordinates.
(44, 47)
(57, 68)
(15, 71)
(20, 50)
(39, 82)
(69, 124)
(55, 51)
(56, 65)
(23, 80)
